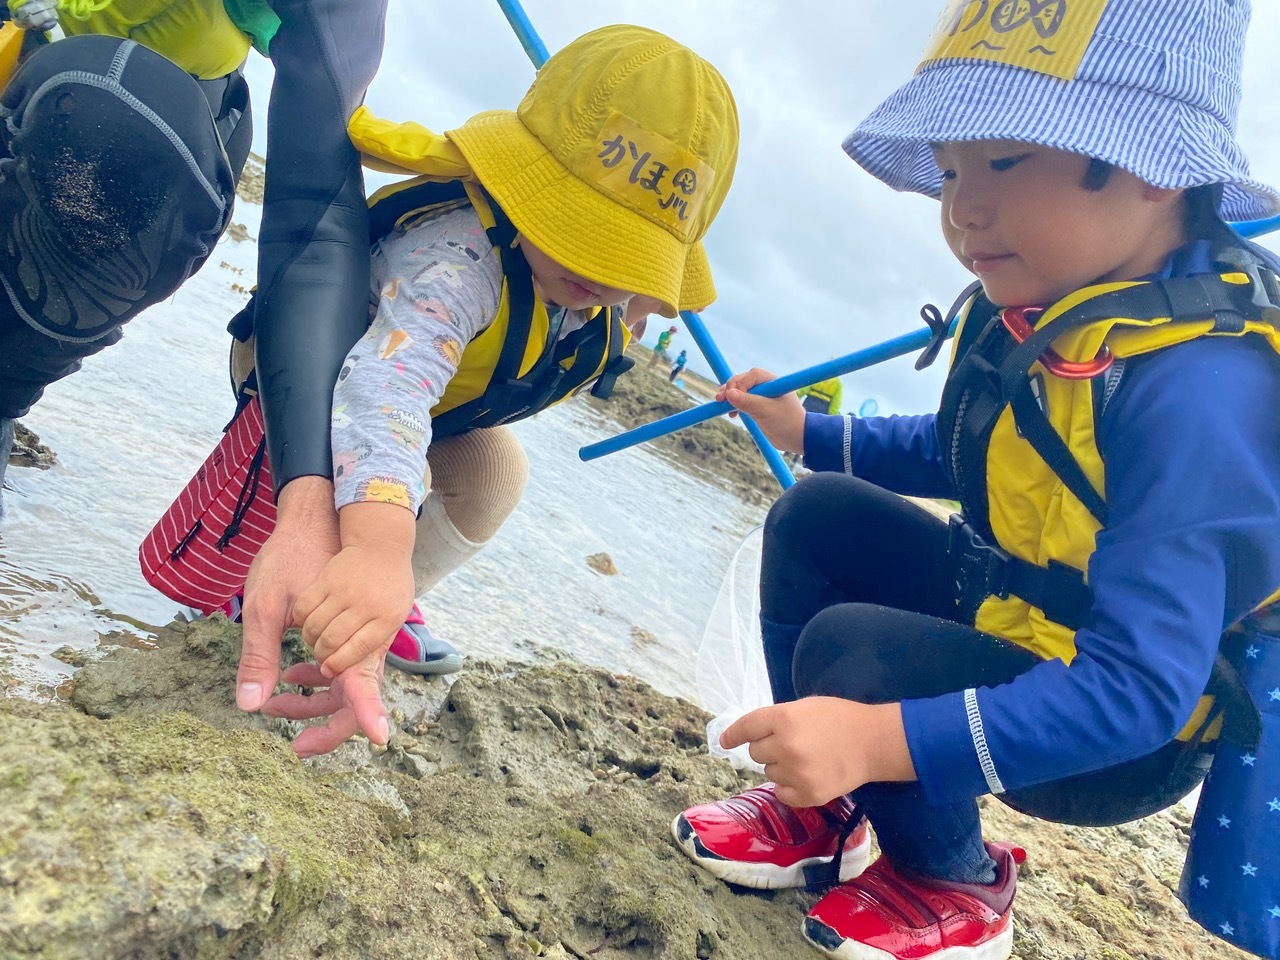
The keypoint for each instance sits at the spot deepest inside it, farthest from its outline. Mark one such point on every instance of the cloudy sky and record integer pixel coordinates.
(813, 258)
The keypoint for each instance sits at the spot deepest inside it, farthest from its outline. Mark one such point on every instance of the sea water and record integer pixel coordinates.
(131, 428)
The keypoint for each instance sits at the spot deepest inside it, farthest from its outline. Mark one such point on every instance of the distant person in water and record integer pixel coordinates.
(822, 397)
(660, 351)
(677, 368)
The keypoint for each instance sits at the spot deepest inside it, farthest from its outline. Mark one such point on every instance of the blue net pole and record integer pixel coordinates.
(1256, 228)
(720, 366)
(528, 36)
(897, 347)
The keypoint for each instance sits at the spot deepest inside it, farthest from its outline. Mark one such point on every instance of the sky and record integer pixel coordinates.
(813, 258)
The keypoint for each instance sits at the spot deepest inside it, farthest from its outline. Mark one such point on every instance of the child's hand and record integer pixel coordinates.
(364, 593)
(820, 748)
(355, 607)
(780, 418)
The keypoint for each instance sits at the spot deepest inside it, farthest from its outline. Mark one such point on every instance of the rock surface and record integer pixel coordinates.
(28, 451)
(602, 564)
(521, 811)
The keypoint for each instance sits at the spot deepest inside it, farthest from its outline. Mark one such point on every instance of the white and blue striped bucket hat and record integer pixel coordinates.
(1150, 86)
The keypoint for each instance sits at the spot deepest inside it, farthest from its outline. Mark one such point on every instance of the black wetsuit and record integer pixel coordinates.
(117, 176)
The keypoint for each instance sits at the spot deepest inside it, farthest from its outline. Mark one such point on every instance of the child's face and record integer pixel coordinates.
(560, 285)
(1019, 217)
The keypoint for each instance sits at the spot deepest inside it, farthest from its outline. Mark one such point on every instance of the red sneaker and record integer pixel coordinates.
(756, 840)
(887, 915)
(415, 649)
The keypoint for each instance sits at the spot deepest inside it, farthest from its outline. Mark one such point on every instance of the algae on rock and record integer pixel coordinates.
(523, 812)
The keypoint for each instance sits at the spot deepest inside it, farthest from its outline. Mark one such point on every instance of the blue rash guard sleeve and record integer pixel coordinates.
(1191, 546)
(901, 454)
(313, 248)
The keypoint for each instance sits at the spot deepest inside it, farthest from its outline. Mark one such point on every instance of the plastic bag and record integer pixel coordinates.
(730, 672)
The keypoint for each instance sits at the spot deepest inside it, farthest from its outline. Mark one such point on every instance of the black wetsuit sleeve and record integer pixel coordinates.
(313, 247)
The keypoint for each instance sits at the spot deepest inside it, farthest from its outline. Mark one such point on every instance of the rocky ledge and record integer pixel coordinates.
(520, 811)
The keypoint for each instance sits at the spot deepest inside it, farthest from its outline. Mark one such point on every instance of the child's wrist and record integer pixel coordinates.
(385, 527)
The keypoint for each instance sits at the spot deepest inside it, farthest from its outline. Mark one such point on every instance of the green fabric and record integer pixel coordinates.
(257, 19)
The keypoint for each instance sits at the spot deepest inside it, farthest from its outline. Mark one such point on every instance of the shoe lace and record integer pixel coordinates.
(822, 876)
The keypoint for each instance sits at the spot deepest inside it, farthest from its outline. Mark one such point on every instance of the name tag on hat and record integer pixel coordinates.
(1048, 36)
(649, 174)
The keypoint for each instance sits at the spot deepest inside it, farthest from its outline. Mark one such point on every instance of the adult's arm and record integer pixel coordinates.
(313, 247)
(313, 282)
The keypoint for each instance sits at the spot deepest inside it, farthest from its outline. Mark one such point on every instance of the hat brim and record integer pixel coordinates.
(576, 225)
(1160, 140)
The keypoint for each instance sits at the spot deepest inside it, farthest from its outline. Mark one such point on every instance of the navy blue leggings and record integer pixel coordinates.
(857, 601)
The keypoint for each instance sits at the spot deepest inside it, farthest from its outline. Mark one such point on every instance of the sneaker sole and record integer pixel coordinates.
(429, 668)
(819, 935)
(763, 876)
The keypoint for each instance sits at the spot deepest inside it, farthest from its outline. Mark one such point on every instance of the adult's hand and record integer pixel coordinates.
(781, 419)
(352, 701)
(819, 748)
(305, 539)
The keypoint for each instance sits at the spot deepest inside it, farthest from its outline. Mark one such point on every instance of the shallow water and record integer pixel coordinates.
(132, 427)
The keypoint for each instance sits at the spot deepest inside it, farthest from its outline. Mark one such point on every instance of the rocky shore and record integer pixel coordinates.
(520, 811)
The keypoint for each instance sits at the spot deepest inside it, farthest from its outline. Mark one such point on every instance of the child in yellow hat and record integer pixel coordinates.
(497, 279)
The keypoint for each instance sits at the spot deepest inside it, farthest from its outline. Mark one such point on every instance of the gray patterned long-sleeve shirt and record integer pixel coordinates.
(434, 288)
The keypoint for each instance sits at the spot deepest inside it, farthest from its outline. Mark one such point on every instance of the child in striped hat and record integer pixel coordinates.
(1109, 425)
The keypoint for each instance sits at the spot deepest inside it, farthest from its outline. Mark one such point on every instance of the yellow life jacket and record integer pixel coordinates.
(823, 390)
(1021, 441)
(509, 370)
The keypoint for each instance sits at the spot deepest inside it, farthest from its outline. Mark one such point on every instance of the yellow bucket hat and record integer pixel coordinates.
(616, 162)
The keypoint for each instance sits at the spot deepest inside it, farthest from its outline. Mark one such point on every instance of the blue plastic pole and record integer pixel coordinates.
(1256, 228)
(528, 36)
(720, 366)
(858, 360)
(801, 378)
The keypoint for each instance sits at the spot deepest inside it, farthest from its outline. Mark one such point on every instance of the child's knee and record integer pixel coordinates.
(480, 477)
(803, 507)
(838, 656)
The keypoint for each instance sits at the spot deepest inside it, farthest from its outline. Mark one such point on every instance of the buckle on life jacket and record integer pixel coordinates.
(501, 393)
(939, 328)
(1264, 289)
(981, 569)
(1020, 322)
(603, 387)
